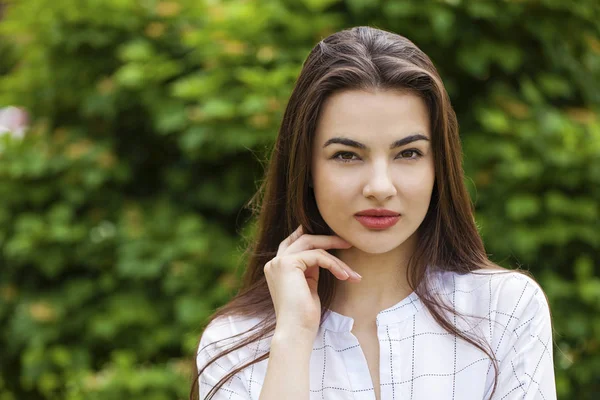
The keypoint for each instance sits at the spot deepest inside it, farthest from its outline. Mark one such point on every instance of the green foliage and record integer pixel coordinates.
(121, 209)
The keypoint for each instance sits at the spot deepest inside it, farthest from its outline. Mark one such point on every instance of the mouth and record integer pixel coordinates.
(377, 222)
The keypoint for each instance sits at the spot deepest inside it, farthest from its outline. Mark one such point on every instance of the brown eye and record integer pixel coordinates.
(344, 156)
(410, 154)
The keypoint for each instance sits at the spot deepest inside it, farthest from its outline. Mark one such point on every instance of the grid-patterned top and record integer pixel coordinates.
(418, 358)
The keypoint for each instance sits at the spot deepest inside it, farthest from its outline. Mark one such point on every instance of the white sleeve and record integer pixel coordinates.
(527, 369)
(234, 388)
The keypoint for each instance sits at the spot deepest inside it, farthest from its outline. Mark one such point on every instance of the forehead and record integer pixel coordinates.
(378, 115)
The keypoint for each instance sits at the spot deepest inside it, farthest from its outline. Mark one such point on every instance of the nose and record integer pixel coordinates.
(380, 185)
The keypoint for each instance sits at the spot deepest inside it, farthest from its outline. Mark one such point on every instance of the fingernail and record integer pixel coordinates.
(346, 272)
(357, 274)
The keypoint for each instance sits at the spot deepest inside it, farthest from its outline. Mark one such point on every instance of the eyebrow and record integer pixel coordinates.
(397, 143)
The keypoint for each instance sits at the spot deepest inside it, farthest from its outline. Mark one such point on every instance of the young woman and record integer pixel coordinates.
(366, 178)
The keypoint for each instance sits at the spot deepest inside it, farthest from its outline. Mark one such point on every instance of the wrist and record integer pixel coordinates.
(297, 337)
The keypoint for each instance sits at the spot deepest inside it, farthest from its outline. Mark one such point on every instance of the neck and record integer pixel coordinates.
(383, 282)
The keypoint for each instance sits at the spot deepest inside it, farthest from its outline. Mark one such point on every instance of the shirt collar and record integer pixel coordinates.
(406, 308)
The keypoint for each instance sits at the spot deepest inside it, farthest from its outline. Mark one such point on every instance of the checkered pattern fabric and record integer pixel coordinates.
(418, 358)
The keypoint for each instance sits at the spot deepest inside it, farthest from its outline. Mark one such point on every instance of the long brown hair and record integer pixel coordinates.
(358, 58)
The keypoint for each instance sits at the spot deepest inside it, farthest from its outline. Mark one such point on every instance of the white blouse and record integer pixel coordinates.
(418, 358)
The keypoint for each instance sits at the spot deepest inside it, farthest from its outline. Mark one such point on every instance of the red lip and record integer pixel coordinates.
(377, 218)
(377, 222)
(378, 212)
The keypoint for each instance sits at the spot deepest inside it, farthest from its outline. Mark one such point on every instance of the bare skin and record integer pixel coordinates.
(373, 173)
(369, 344)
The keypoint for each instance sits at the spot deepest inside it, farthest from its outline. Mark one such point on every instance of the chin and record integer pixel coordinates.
(378, 246)
(377, 241)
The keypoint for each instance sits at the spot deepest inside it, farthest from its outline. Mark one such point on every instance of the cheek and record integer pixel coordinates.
(333, 192)
(339, 182)
(334, 180)
(334, 189)
(418, 184)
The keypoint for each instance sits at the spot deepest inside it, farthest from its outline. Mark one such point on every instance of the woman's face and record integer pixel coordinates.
(365, 172)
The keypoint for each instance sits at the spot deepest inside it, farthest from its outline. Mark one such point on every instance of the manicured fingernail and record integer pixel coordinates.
(357, 274)
(346, 272)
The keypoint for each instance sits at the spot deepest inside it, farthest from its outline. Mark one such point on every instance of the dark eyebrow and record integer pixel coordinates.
(397, 143)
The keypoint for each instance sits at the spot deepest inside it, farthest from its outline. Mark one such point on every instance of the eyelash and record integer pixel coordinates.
(417, 153)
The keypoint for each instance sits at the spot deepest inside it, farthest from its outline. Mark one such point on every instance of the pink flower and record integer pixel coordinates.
(13, 121)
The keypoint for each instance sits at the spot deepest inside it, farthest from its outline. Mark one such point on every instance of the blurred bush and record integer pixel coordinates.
(121, 209)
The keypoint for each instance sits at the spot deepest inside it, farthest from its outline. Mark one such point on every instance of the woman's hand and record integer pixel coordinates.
(293, 277)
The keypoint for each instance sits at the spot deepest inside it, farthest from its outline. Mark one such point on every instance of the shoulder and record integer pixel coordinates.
(513, 291)
(224, 333)
(229, 328)
(502, 286)
(507, 297)
(505, 306)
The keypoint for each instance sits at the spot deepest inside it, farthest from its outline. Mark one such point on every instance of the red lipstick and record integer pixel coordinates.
(377, 218)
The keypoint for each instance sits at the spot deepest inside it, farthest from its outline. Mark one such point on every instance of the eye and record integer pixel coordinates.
(410, 154)
(343, 156)
(346, 156)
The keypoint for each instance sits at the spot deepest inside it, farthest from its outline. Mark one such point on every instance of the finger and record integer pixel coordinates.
(290, 239)
(309, 242)
(351, 273)
(316, 258)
